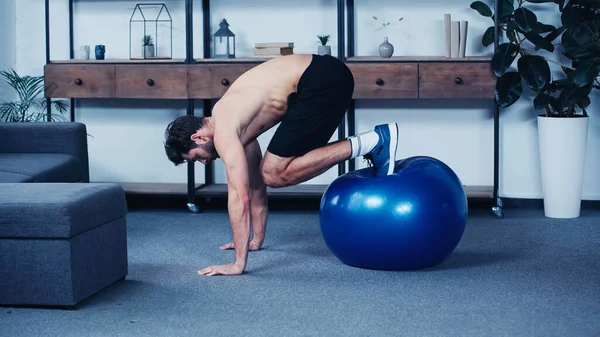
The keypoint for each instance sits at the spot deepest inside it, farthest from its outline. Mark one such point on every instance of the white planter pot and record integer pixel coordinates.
(563, 144)
(324, 50)
(149, 51)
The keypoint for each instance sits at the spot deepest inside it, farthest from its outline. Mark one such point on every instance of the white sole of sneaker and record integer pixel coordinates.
(393, 146)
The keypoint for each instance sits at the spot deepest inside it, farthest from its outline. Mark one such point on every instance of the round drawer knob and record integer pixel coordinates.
(379, 81)
(225, 81)
(458, 80)
(150, 82)
(78, 81)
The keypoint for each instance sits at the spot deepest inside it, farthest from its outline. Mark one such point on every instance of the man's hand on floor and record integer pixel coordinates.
(226, 269)
(254, 245)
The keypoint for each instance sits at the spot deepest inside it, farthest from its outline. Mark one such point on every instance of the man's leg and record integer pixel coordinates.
(286, 171)
(378, 146)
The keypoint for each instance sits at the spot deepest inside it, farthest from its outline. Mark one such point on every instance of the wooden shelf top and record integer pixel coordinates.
(418, 59)
(92, 61)
(234, 60)
(262, 59)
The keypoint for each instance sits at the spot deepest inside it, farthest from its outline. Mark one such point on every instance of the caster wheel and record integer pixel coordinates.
(193, 208)
(498, 212)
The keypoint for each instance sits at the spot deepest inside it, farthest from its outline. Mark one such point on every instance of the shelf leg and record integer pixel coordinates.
(497, 208)
(191, 180)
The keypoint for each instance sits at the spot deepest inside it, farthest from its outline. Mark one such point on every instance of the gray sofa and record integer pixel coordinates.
(62, 238)
(60, 243)
(43, 152)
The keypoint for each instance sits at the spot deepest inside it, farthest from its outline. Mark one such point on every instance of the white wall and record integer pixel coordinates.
(128, 134)
(8, 44)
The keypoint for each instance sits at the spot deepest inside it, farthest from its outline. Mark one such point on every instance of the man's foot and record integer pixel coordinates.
(383, 156)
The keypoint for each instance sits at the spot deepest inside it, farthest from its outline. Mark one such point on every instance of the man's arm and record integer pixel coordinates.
(232, 153)
(259, 201)
(259, 207)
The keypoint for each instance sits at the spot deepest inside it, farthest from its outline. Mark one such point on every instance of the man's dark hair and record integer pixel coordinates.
(177, 137)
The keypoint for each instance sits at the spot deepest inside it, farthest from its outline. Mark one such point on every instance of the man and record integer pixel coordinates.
(309, 96)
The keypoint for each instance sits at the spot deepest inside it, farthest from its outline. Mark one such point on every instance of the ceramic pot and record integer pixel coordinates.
(562, 163)
(386, 49)
(149, 51)
(324, 50)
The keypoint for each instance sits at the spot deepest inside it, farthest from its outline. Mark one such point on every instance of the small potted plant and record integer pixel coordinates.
(324, 49)
(148, 46)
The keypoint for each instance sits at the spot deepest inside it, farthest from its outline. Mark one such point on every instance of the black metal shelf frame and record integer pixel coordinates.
(346, 48)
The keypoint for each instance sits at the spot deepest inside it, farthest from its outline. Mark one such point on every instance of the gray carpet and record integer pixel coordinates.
(524, 275)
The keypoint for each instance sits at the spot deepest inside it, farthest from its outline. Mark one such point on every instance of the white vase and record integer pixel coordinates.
(386, 49)
(563, 144)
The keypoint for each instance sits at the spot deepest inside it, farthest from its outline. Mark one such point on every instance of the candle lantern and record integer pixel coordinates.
(224, 41)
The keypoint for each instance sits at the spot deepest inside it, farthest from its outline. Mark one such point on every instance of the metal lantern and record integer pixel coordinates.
(224, 41)
(149, 26)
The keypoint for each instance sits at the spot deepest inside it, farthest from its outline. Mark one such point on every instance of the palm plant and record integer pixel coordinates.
(30, 105)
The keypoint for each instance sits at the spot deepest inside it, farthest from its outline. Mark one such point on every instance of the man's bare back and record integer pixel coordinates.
(263, 91)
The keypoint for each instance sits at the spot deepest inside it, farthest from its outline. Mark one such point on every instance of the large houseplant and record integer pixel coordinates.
(562, 97)
(30, 105)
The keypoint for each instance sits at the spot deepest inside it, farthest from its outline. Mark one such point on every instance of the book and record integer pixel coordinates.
(462, 45)
(274, 45)
(447, 34)
(454, 38)
(273, 51)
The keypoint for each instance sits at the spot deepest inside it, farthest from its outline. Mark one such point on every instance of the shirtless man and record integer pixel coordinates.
(309, 95)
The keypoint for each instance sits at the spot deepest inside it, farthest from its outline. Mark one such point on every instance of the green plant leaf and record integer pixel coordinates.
(511, 29)
(539, 41)
(503, 57)
(568, 71)
(578, 42)
(488, 37)
(555, 104)
(541, 101)
(584, 102)
(541, 28)
(586, 72)
(508, 89)
(572, 94)
(525, 19)
(506, 8)
(482, 8)
(534, 70)
(554, 34)
(571, 16)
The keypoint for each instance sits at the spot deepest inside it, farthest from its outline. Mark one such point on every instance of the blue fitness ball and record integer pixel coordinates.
(411, 219)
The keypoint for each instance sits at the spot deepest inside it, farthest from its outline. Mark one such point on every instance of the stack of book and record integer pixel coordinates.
(455, 37)
(273, 49)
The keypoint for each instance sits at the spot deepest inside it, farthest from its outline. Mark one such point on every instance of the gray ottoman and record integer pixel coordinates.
(60, 243)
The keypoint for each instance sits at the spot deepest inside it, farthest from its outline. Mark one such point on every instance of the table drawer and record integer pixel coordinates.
(211, 81)
(79, 81)
(151, 81)
(389, 80)
(456, 80)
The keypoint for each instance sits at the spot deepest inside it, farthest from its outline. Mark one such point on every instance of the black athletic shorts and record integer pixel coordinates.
(316, 109)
